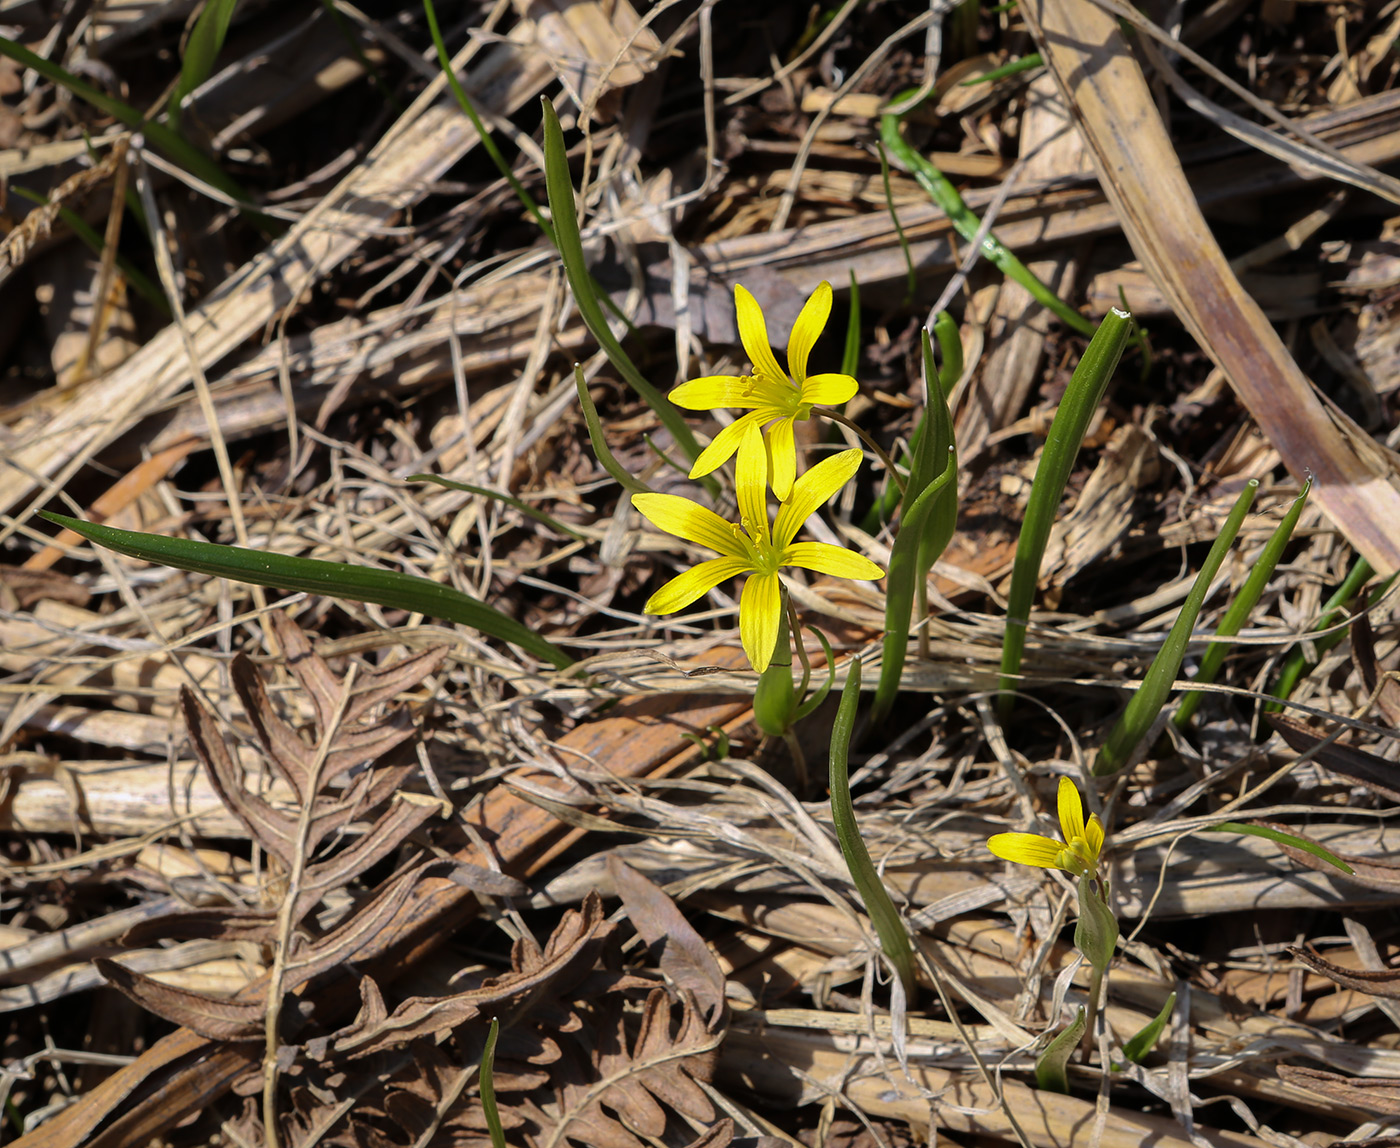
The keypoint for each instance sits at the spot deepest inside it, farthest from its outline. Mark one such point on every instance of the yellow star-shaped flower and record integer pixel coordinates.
(750, 547)
(1078, 853)
(772, 397)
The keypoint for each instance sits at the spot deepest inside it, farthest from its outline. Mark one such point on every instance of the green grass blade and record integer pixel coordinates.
(205, 41)
(166, 139)
(570, 244)
(1296, 663)
(1243, 605)
(1141, 1042)
(946, 196)
(1051, 1067)
(850, 355)
(1281, 838)
(1010, 68)
(945, 331)
(900, 585)
(600, 444)
(315, 576)
(889, 926)
(496, 496)
(487, 1085)
(942, 518)
(1081, 400)
(911, 277)
(483, 133)
(1144, 706)
(94, 243)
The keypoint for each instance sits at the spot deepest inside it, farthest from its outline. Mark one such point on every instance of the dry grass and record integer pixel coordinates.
(199, 800)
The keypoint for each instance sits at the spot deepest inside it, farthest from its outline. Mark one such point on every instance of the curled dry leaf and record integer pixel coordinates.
(1374, 1094)
(1373, 982)
(1375, 773)
(686, 960)
(1383, 687)
(209, 1017)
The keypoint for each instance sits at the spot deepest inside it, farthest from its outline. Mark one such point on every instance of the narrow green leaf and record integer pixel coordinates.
(166, 139)
(942, 519)
(600, 444)
(1141, 1042)
(90, 239)
(1279, 837)
(900, 585)
(524, 507)
(889, 926)
(825, 688)
(911, 277)
(487, 1086)
(1296, 664)
(205, 41)
(946, 196)
(315, 576)
(850, 356)
(1077, 407)
(945, 331)
(1051, 1067)
(1010, 68)
(1144, 706)
(569, 241)
(1243, 605)
(483, 133)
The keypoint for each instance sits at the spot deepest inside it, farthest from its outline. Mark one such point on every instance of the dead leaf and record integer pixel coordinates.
(1375, 1094)
(1363, 656)
(208, 1016)
(1375, 773)
(1376, 983)
(686, 960)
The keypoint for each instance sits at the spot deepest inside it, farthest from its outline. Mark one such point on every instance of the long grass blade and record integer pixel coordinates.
(1144, 706)
(889, 926)
(1279, 837)
(488, 1087)
(316, 576)
(569, 241)
(205, 41)
(606, 458)
(497, 496)
(1297, 663)
(1081, 400)
(1243, 605)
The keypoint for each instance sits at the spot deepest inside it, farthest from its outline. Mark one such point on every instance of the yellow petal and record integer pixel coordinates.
(1026, 849)
(759, 608)
(834, 560)
(689, 520)
(722, 449)
(750, 484)
(782, 450)
(715, 391)
(811, 491)
(694, 583)
(828, 390)
(807, 330)
(1093, 834)
(1071, 811)
(753, 333)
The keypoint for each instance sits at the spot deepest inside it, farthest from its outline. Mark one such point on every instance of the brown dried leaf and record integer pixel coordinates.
(570, 952)
(1363, 657)
(208, 1016)
(659, 1067)
(1375, 773)
(1375, 1094)
(686, 960)
(255, 925)
(1376, 983)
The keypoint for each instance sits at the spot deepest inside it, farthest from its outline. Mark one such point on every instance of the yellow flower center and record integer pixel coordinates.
(1077, 857)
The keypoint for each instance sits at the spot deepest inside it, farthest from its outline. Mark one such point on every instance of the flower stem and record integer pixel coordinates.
(878, 450)
(1096, 988)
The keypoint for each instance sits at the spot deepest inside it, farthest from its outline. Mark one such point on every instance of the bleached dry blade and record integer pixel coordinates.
(1143, 179)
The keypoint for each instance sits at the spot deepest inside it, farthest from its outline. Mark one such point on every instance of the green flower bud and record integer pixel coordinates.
(1096, 934)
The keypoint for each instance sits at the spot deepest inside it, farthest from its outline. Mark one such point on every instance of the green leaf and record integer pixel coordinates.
(1077, 407)
(167, 140)
(600, 444)
(946, 196)
(1281, 838)
(1146, 703)
(524, 507)
(487, 1085)
(1096, 930)
(205, 41)
(1051, 1071)
(315, 576)
(889, 926)
(850, 355)
(1011, 68)
(569, 241)
(1243, 605)
(1141, 1043)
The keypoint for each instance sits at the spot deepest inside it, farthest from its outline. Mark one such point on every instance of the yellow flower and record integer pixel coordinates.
(749, 547)
(769, 394)
(1077, 854)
